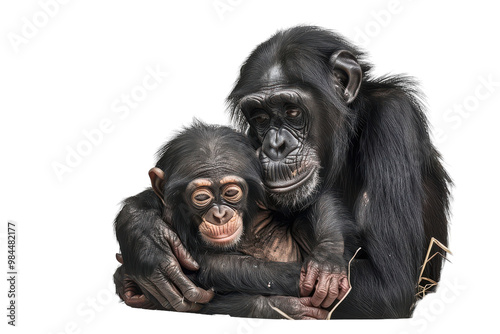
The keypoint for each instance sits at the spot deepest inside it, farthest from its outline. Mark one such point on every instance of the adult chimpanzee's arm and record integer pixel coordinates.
(324, 270)
(245, 274)
(235, 303)
(397, 157)
(153, 254)
(258, 306)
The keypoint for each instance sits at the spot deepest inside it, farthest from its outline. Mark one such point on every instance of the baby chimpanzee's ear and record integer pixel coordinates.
(157, 177)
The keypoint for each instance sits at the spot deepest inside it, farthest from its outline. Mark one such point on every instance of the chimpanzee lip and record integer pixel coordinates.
(282, 187)
(215, 234)
(225, 240)
(224, 237)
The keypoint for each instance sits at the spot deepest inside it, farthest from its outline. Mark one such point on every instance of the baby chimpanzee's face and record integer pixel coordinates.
(218, 205)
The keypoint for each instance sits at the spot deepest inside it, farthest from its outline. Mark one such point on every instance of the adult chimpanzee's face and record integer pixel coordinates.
(280, 118)
(217, 207)
(296, 104)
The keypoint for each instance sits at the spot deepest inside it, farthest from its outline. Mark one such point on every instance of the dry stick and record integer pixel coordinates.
(340, 301)
(349, 281)
(437, 242)
(427, 260)
(282, 313)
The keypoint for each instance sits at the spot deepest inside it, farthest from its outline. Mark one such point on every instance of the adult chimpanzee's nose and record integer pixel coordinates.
(220, 215)
(279, 143)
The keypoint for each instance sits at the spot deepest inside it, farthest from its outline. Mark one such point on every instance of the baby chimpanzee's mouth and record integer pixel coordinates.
(223, 235)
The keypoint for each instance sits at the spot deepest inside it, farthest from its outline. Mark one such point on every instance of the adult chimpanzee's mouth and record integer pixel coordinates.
(298, 179)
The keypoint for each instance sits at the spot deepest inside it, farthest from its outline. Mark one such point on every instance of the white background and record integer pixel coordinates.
(62, 75)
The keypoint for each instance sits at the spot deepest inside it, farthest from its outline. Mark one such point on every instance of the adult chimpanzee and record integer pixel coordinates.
(208, 179)
(320, 122)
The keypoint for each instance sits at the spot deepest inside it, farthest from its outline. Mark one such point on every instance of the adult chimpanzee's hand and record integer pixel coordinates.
(153, 257)
(129, 291)
(295, 308)
(324, 276)
(167, 284)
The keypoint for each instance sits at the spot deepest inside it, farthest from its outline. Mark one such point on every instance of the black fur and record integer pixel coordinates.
(204, 151)
(244, 284)
(377, 165)
(376, 151)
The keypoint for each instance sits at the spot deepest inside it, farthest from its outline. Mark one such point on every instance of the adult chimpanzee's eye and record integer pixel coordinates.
(201, 197)
(232, 193)
(293, 112)
(259, 116)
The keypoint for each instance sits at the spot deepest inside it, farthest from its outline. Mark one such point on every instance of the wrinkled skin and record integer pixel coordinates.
(208, 186)
(139, 292)
(266, 236)
(129, 291)
(294, 307)
(328, 282)
(167, 284)
(298, 308)
(262, 241)
(323, 276)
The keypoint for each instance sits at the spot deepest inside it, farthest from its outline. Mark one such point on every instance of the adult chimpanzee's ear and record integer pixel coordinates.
(348, 74)
(157, 177)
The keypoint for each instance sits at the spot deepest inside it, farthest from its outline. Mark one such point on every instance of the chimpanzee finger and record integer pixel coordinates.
(185, 259)
(187, 288)
(169, 297)
(150, 286)
(312, 312)
(333, 291)
(308, 277)
(131, 294)
(321, 290)
(343, 286)
(137, 301)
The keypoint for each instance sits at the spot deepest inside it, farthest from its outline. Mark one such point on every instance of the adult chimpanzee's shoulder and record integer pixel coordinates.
(394, 117)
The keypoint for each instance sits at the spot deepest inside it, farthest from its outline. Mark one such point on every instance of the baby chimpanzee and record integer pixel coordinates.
(208, 179)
